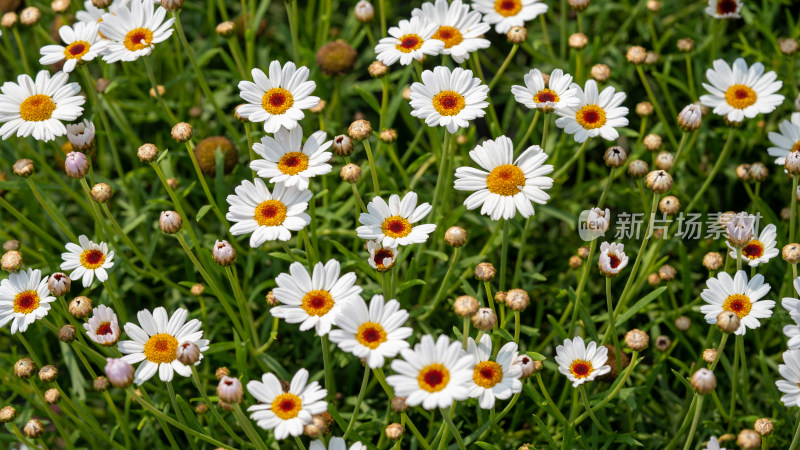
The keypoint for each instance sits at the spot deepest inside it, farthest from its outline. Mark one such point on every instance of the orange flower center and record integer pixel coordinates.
(26, 302)
(77, 50)
(380, 255)
(753, 250)
(161, 348)
(546, 96)
(591, 117)
(487, 374)
(738, 304)
(270, 213)
(317, 302)
(286, 406)
(37, 108)
(277, 101)
(581, 369)
(433, 377)
(104, 329)
(726, 6)
(506, 180)
(408, 43)
(508, 8)
(371, 335)
(396, 227)
(138, 38)
(92, 259)
(293, 163)
(448, 103)
(449, 35)
(740, 96)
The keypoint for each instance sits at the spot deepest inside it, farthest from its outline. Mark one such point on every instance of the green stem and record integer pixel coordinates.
(244, 307)
(549, 400)
(571, 161)
(793, 208)
(372, 168)
(581, 284)
(684, 135)
(719, 352)
(453, 429)
(56, 218)
(420, 438)
(585, 398)
(247, 426)
(358, 402)
(695, 420)
(796, 438)
(212, 407)
(442, 285)
(204, 185)
(657, 107)
(735, 381)
(504, 254)
(177, 203)
(528, 132)
(612, 328)
(151, 75)
(503, 67)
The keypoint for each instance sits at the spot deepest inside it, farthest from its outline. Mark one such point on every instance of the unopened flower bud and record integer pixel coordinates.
(388, 135)
(704, 381)
(188, 353)
(80, 307)
(33, 429)
(201, 408)
(600, 72)
(644, 109)
(52, 396)
(101, 192)
(182, 132)
(575, 261)
(394, 431)
(9, 19)
(728, 321)
(223, 253)
(11, 244)
(485, 271)
(748, 439)
(377, 69)
(578, 41)
(709, 355)
(271, 300)
(100, 384)
(23, 168)
(664, 161)
(792, 163)
(226, 29)
(24, 368)
(791, 253)
(359, 130)
(654, 6)
(66, 334)
(229, 390)
(615, 156)
(636, 340)
(517, 299)
(351, 173)
(659, 181)
(364, 11)
(578, 5)
(662, 343)
(653, 279)
(638, 168)
(526, 364)
(48, 373)
(669, 205)
(636, 54)
(170, 222)
(788, 46)
(763, 426)
(147, 153)
(7, 414)
(59, 284)
(455, 236)
(222, 372)
(685, 45)
(76, 165)
(652, 142)
(172, 5)
(758, 172)
(517, 35)
(30, 16)
(466, 306)
(667, 272)
(683, 323)
(11, 261)
(743, 172)
(197, 289)
(158, 91)
(343, 145)
(484, 319)
(712, 261)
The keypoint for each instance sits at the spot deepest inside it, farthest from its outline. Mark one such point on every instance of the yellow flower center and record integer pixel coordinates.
(726, 6)
(270, 213)
(293, 163)
(740, 96)
(92, 259)
(371, 334)
(507, 179)
(796, 147)
(317, 302)
(138, 38)
(581, 369)
(753, 250)
(546, 96)
(380, 255)
(448, 103)
(507, 8)
(161, 348)
(26, 302)
(409, 42)
(738, 304)
(77, 50)
(433, 377)
(396, 227)
(277, 101)
(37, 108)
(286, 406)
(591, 117)
(449, 35)
(487, 374)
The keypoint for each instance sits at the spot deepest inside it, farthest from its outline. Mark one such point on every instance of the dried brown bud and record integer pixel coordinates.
(575, 261)
(709, 355)
(636, 340)
(100, 384)
(791, 253)
(667, 272)
(394, 431)
(33, 429)
(11, 261)
(7, 414)
(638, 168)
(517, 35)
(653, 279)
(222, 372)
(399, 404)
(336, 58)
(763, 426)
(23, 168)
(455, 236)
(101, 192)
(271, 300)
(748, 439)
(48, 373)
(377, 69)
(52, 396)
(388, 135)
(669, 205)
(66, 334)
(226, 29)
(24, 368)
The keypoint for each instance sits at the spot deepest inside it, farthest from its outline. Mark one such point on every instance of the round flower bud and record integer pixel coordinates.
(351, 173)
(271, 300)
(667, 272)
(206, 154)
(526, 364)
(791, 253)
(377, 69)
(394, 431)
(654, 6)
(66, 334)
(9, 19)
(388, 135)
(517, 299)
(336, 58)
(664, 160)
(615, 156)
(758, 172)
(685, 45)
(170, 222)
(182, 132)
(100, 384)
(583, 251)
(748, 439)
(24, 368)
(644, 109)
(223, 253)
(578, 41)
(101, 192)
(575, 261)
(364, 11)
(683, 323)
(11, 261)
(226, 29)
(662, 343)
(147, 153)
(33, 429)
(743, 172)
(80, 307)
(102, 85)
(455, 236)
(102, 3)
(222, 372)
(7, 414)
(197, 289)
(517, 35)
(172, 183)
(653, 279)
(319, 107)
(359, 130)
(712, 261)
(500, 297)
(188, 353)
(462, 140)
(636, 340)
(48, 373)
(76, 165)
(399, 404)
(58, 284)
(229, 390)
(669, 205)
(788, 46)
(659, 181)
(600, 72)
(343, 145)
(763, 426)
(638, 168)
(201, 408)
(578, 5)
(161, 91)
(466, 306)
(10, 245)
(690, 117)
(704, 381)
(709, 355)
(636, 54)
(172, 5)
(484, 319)
(728, 321)
(792, 163)
(652, 142)
(485, 271)
(651, 58)
(51, 396)
(23, 168)
(30, 16)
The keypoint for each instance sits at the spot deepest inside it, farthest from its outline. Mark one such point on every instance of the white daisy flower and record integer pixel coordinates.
(792, 305)
(739, 296)
(269, 216)
(277, 100)
(498, 379)
(759, 250)
(580, 362)
(373, 334)
(504, 14)
(381, 258)
(392, 224)
(336, 443)
(460, 29)
(314, 301)
(558, 92)
(29, 108)
(506, 185)
(713, 444)
(790, 384)
(288, 161)
(155, 341)
(81, 43)
(133, 31)
(792, 333)
(433, 374)
(409, 40)
(93, 14)
(24, 299)
(724, 9)
(738, 92)
(87, 260)
(449, 99)
(596, 114)
(286, 412)
(103, 326)
(612, 259)
(787, 141)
